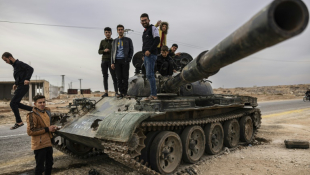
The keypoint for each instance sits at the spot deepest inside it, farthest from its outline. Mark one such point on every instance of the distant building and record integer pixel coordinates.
(36, 86)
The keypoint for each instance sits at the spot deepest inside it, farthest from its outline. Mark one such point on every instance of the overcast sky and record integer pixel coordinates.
(194, 25)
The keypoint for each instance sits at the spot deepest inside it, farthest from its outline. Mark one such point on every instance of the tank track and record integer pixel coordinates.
(119, 151)
(65, 150)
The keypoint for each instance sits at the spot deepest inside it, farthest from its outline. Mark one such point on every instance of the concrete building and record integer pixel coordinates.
(36, 86)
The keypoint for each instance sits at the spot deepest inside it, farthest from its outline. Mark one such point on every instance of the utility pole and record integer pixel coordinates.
(39, 87)
(80, 84)
(63, 83)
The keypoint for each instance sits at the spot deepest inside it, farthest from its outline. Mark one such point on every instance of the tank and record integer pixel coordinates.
(187, 120)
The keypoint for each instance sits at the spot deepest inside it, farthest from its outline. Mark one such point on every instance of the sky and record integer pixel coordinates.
(195, 26)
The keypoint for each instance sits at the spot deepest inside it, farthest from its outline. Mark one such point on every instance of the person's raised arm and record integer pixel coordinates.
(158, 23)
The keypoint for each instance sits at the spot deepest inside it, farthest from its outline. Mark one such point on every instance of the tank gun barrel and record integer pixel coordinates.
(280, 20)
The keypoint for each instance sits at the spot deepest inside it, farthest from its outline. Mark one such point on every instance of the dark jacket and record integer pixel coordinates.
(22, 72)
(105, 44)
(171, 54)
(150, 40)
(163, 69)
(128, 49)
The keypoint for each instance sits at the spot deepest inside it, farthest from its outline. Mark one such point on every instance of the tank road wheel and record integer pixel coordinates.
(136, 143)
(214, 138)
(166, 152)
(145, 153)
(77, 148)
(193, 143)
(246, 129)
(231, 133)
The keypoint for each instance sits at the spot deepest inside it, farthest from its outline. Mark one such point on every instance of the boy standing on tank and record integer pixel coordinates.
(105, 48)
(122, 52)
(150, 40)
(40, 130)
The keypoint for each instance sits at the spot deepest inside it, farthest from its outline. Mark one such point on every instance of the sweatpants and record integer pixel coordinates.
(44, 161)
(20, 92)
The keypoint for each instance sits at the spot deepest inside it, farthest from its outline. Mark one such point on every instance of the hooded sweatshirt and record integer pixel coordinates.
(162, 35)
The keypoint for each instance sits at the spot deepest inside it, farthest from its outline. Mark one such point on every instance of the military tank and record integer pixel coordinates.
(187, 120)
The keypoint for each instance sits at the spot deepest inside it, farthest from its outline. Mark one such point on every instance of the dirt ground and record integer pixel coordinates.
(268, 156)
(7, 116)
(272, 157)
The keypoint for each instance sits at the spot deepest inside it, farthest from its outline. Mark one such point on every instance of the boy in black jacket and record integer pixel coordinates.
(22, 75)
(105, 48)
(121, 55)
(165, 65)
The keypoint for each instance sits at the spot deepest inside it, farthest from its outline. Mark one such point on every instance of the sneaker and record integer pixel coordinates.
(105, 95)
(117, 94)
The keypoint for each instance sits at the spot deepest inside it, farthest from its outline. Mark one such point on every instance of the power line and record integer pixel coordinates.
(52, 25)
(93, 28)
(278, 60)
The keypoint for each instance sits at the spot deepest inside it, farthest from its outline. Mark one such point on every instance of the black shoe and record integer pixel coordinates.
(126, 96)
(16, 126)
(105, 95)
(119, 96)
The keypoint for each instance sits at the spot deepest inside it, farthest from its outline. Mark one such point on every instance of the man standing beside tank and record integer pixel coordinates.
(105, 49)
(22, 74)
(40, 130)
(122, 51)
(150, 39)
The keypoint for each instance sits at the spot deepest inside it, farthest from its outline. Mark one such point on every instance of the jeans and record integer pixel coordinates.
(149, 63)
(44, 161)
(15, 102)
(122, 74)
(105, 65)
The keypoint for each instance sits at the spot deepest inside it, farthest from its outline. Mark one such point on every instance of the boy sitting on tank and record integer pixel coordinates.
(164, 63)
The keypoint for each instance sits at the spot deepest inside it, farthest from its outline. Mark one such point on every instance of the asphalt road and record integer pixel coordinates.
(16, 143)
(282, 106)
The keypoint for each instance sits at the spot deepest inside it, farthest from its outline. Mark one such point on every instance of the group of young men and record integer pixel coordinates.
(117, 55)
